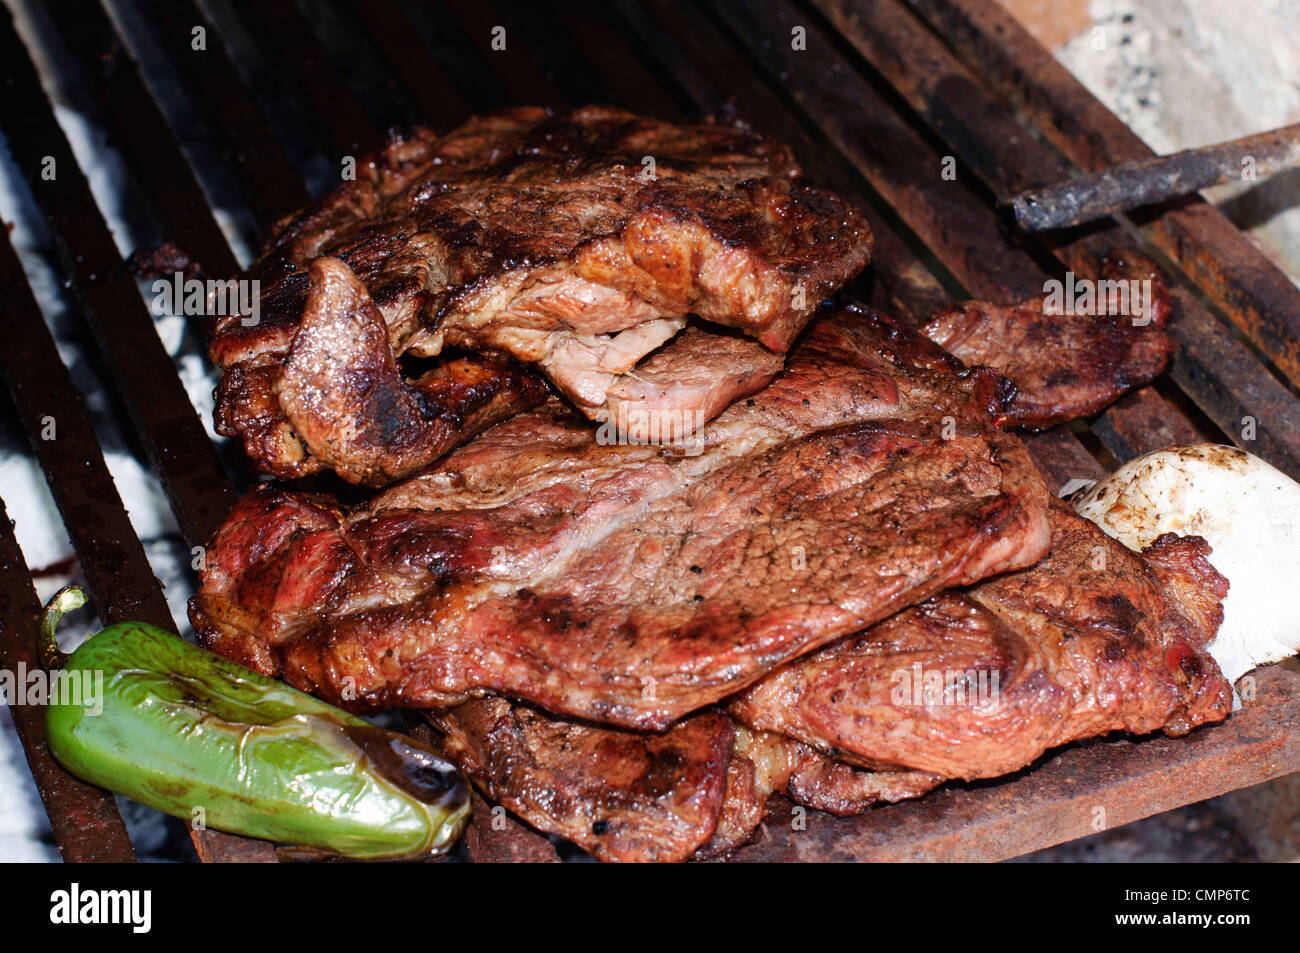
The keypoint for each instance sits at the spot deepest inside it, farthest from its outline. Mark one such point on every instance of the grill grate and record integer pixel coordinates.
(884, 91)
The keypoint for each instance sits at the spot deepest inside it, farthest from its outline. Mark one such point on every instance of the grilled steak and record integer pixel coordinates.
(577, 243)
(622, 795)
(697, 790)
(339, 400)
(975, 684)
(1093, 639)
(635, 584)
(1067, 365)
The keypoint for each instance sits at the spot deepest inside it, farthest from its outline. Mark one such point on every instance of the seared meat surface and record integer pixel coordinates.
(1093, 639)
(576, 243)
(1067, 365)
(696, 791)
(764, 763)
(622, 795)
(341, 393)
(635, 584)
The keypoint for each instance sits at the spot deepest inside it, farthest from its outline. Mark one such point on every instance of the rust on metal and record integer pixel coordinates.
(1139, 423)
(1252, 290)
(1131, 185)
(1062, 458)
(84, 819)
(1219, 373)
(155, 400)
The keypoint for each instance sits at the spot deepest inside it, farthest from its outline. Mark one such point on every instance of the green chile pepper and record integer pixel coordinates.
(181, 729)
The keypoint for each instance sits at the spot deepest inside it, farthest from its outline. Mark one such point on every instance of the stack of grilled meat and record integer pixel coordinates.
(665, 527)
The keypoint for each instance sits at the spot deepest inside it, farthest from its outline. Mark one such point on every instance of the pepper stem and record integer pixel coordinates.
(68, 599)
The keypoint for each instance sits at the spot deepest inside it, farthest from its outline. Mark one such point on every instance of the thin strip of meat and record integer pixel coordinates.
(635, 584)
(341, 393)
(764, 763)
(574, 242)
(1064, 364)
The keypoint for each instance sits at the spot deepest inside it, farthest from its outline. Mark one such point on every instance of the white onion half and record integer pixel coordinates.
(1249, 513)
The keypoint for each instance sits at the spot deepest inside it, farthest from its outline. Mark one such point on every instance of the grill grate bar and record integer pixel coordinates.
(53, 413)
(177, 444)
(350, 128)
(180, 452)
(932, 238)
(1253, 291)
(1007, 158)
(84, 819)
(140, 132)
(954, 220)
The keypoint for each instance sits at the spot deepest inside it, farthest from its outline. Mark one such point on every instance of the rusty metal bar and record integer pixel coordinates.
(121, 580)
(1142, 423)
(117, 570)
(948, 216)
(1132, 185)
(86, 824)
(178, 447)
(54, 416)
(1074, 793)
(1005, 156)
(1253, 291)
(141, 134)
(85, 820)
(953, 220)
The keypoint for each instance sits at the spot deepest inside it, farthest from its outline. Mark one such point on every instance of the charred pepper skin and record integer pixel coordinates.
(182, 729)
